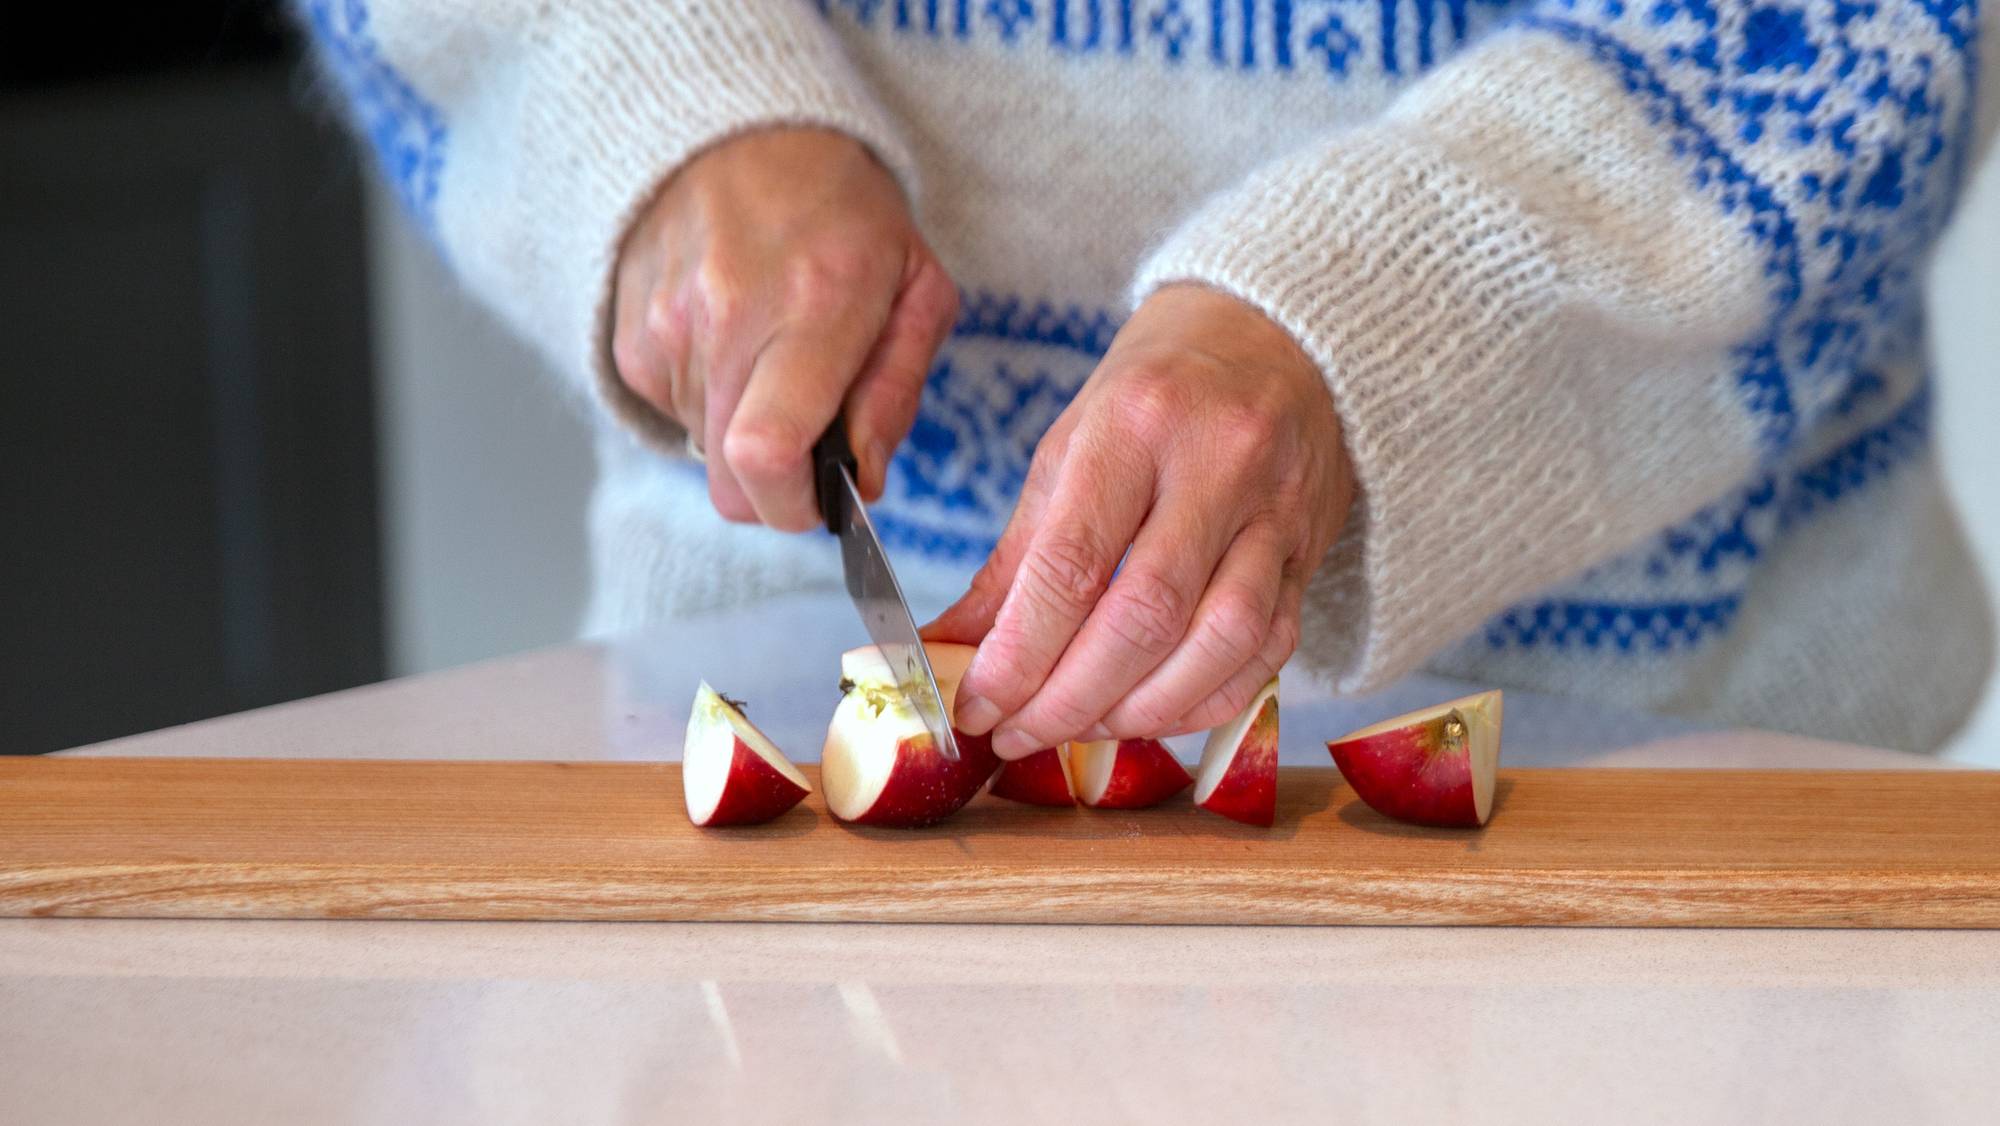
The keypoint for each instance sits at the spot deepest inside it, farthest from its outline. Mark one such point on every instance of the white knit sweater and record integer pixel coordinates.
(1618, 299)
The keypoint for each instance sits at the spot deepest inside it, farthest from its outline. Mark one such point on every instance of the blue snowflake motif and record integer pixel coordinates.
(1172, 25)
(1007, 317)
(1332, 40)
(1010, 15)
(1776, 39)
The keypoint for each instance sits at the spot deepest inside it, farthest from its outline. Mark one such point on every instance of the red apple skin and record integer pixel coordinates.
(925, 787)
(1039, 779)
(1145, 774)
(1248, 791)
(755, 793)
(1411, 775)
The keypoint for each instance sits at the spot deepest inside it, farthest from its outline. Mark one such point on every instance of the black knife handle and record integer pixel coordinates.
(830, 453)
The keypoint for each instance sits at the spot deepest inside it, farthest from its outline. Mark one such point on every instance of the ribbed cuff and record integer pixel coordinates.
(616, 97)
(1427, 300)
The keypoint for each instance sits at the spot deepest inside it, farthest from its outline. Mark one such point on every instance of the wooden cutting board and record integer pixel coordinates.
(273, 838)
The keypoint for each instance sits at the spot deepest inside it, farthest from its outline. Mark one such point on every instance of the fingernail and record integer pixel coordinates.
(975, 715)
(1096, 734)
(1014, 743)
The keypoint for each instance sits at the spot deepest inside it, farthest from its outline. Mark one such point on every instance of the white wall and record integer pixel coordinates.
(485, 471)
(1965, 313)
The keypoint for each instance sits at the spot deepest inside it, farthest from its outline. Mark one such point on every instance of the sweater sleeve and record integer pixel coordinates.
(525, 136)
(1586, 277)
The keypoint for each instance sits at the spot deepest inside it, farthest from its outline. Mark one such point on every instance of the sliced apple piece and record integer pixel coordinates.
(1238, 777)
(730, 773)
(1430, 767)
(1125, 773)
(880, 766)
(1040, 779)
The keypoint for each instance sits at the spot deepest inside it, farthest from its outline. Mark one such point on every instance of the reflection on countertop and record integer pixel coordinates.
(533, 1023)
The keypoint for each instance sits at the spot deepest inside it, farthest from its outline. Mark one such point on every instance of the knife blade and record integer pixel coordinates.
(872, 585)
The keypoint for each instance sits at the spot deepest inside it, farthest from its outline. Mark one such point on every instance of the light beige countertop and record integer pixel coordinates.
(260, 1022)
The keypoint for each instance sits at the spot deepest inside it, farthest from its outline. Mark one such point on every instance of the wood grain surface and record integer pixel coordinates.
(268, 838)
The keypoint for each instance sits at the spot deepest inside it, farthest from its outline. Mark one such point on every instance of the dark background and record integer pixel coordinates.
(188, 508)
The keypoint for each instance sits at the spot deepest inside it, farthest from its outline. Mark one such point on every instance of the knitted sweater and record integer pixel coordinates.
(1618, 300)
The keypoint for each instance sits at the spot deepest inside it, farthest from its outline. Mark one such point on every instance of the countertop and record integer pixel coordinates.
(252, 1022)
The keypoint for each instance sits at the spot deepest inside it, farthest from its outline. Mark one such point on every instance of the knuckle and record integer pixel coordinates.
(1231, 699)
(1283, 642)
(1243, 431)
(1232, 629)
(825, 279)
(1046, 462)
(1147, 612)
(1063, 572)
(721, 295)
(1000, 680)
(1141, 716)
(1150, 404)
(1212, 712)
(666, 322)
(634, 361)
(1057, 716)
(988, 580)
(937, 297)
(762, 451)
(894, 401)
(949, 302)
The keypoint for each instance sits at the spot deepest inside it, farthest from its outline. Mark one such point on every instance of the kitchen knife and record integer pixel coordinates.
(872, 584)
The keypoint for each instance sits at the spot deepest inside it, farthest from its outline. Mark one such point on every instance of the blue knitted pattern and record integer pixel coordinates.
(407, 131)
(1721, 544)
(1866, 108)
(1830, 133)
(1337, 38)
(955, 479)
(1863, 106)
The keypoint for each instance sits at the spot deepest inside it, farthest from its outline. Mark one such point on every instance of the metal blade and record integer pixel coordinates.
(886, 614)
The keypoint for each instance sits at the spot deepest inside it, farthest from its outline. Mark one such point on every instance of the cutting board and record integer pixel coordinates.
(275, 838)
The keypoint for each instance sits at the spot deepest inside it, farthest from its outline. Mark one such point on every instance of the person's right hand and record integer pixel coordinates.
(776, 277)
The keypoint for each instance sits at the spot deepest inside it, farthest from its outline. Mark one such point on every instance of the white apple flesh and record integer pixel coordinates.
(730, 773)
(1431, 767)
(1238, 776)
(1125, 773)
(880, 765)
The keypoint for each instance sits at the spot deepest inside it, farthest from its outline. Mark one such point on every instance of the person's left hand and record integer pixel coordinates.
(1204, 453)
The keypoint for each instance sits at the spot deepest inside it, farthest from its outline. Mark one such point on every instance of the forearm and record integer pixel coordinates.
(1576, 284)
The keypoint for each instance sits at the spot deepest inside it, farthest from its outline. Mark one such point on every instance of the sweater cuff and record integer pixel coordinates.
(615, 99)
(1425, 298)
